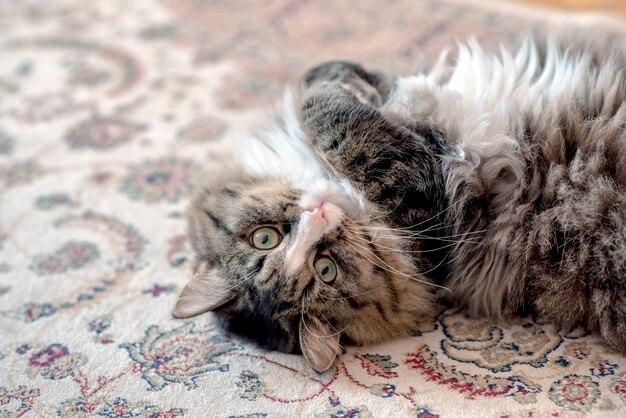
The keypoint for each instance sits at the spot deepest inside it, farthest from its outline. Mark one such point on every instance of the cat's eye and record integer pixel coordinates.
(325, 269)
(265, 238)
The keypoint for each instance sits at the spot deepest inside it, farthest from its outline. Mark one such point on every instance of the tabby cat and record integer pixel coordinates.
(497, 184)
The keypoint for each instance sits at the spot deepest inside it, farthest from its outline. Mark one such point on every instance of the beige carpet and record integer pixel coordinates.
(105, 107)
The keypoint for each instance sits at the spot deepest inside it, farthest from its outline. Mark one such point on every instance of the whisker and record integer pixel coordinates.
(307, 327)
(425, 220)
(352, 296)
(403, 232)
(387, 267)
(406, 234)
(391, 249)
(239, 283)
(435, 268)
(382, 215)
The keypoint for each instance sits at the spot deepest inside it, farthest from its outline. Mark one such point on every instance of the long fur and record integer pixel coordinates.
(500, 179)
(538, 160)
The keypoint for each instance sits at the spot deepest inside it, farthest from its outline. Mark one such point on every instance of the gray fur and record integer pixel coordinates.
(534, 220)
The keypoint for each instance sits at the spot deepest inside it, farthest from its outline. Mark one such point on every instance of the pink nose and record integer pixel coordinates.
(318, 212)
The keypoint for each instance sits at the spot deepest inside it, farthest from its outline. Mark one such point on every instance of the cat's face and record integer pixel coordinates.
(299, 271)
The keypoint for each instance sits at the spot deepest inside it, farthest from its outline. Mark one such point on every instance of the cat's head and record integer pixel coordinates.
(294, 257)
(299, 270)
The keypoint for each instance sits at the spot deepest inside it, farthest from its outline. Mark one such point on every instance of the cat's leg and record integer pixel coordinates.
(578, 273)
(397, 168)
(610, 311)
(369, 87)
(568, 303)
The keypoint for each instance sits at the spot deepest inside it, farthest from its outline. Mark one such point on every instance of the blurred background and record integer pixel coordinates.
(617, 7)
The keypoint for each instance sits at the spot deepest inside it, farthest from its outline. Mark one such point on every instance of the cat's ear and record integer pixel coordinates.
(319, 343)
(207, 290)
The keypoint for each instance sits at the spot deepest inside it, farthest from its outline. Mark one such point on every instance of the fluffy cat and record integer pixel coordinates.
(498, 184)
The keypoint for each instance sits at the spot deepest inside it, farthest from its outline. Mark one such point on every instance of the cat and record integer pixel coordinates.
(497, 184)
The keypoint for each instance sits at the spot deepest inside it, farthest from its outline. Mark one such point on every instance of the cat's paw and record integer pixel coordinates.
(368, 87)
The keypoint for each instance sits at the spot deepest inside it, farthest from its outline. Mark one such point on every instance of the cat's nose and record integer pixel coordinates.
(318, 212)
(324, 213)
(316, 216)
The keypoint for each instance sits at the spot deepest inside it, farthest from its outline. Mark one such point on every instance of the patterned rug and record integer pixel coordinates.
(105, 110)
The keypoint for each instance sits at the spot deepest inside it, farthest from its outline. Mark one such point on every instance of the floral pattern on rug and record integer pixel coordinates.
(107, 112)
(178, 356)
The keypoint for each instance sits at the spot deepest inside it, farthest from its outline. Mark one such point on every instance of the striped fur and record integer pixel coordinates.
(498, 184)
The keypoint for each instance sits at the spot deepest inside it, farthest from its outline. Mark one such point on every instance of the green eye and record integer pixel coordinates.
(325, 269)
(265, 238)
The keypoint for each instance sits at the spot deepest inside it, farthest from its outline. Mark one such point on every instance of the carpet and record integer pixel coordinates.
(107, 111)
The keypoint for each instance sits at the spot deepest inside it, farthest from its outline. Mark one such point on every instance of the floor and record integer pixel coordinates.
(615, 7)
(108, 110)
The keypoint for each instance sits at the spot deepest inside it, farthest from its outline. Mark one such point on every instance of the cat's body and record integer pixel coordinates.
(499, 184)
